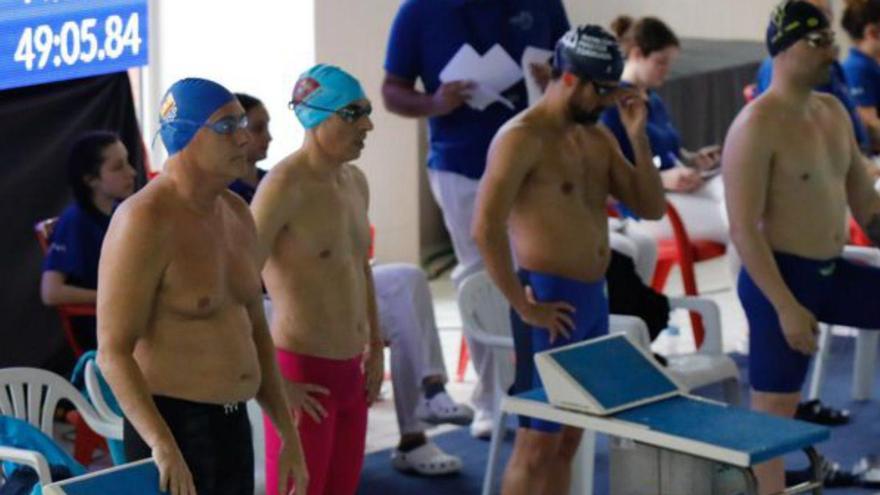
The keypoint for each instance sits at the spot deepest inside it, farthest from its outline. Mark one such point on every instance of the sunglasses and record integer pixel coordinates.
(819, 39)
(603, 89)
(350, 113)
(225, 126)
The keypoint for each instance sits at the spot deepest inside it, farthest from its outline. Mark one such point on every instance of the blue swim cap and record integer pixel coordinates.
(322, 90)
(186, 106)
(589, 52)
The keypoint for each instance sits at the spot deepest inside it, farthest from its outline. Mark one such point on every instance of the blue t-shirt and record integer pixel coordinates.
(837, 86)
(662, 134)
(245, 190)
(863, 74)
(75, 246)
(426, 34)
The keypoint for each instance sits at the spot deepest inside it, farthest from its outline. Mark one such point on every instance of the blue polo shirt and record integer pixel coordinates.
(75, 246)
(837, 86)
(863, 74)
(245, 190)
(425, 36)
(662, 134)
(74, 250)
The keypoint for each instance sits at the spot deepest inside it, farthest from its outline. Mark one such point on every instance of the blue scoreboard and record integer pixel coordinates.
(44, 41)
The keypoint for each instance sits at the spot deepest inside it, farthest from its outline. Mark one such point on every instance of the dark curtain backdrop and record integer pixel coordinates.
(704, 91)
(38, 124)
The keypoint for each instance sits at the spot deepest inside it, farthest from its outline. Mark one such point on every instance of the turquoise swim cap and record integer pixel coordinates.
(321, 91)
(186, 107)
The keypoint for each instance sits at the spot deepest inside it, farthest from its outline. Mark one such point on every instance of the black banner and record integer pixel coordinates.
(38, 124)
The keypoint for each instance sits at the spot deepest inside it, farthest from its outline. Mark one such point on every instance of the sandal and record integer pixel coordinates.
(868, 471)
(427, 460)
(815, 412)
(442, 409)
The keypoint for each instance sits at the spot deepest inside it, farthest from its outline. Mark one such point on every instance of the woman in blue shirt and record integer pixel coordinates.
(861, 20)
(697, 193)
(100, 176)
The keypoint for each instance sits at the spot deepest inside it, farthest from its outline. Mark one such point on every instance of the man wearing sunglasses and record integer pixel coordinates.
(182, 338)
(549, 173)
(791, 168)
(311, 216)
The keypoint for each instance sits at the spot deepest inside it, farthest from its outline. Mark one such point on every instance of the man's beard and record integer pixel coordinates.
(587, 117)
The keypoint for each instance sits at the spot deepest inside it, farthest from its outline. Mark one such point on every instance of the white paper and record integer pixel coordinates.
(534, 55)
(492, 73)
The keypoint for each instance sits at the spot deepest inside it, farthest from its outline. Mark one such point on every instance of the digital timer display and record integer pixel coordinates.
(53, 40)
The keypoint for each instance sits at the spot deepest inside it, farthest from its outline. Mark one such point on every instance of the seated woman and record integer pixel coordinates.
(696, 190)
(100, 176)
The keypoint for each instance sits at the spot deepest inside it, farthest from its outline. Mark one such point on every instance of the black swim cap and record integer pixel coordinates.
(792, 20)
(589, 52)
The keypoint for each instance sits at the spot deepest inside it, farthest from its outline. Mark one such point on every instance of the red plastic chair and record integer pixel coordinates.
(463, 359)
(857, 236)
(683, 251)
(87, 441)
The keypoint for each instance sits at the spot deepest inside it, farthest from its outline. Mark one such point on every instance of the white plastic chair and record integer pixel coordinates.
(31, 395)
(867, 341)
(709, 364)
(29, 458)
(485, 316)
(93, 387)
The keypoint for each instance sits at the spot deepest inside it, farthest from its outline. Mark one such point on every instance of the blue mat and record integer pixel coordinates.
(848, 443)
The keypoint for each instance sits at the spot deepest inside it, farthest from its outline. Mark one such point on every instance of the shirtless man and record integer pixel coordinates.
(550, 172)
(311, 215)
(182, 339)
(791, 166)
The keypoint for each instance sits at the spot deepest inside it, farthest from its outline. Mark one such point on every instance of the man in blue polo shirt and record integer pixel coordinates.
(426, 34)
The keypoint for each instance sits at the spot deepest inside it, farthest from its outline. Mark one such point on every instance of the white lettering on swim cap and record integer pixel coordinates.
(588, 46)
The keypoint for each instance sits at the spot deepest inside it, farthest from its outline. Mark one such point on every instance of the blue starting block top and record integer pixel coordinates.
(687, 424)
(626, 393)
(603, 376)
(614, 372)
(136, 478)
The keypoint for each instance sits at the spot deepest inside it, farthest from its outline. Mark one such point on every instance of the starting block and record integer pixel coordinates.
(609, 385)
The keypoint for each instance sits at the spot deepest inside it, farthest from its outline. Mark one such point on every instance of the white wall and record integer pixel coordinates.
(356, 41)
(257, 47)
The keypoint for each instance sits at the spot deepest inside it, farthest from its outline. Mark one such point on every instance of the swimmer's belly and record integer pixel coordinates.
(577, 250)
(327, 336)
(821, 238)
(212, 360)
(321, 311)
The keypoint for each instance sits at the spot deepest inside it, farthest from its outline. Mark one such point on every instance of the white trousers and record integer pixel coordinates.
(406, 319)
(456, 195)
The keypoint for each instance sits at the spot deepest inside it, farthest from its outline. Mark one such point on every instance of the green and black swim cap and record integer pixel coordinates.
(791, 21)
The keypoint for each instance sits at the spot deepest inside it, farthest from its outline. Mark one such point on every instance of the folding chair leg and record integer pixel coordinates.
(820, 361)
(864, 364)
(498, 432)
